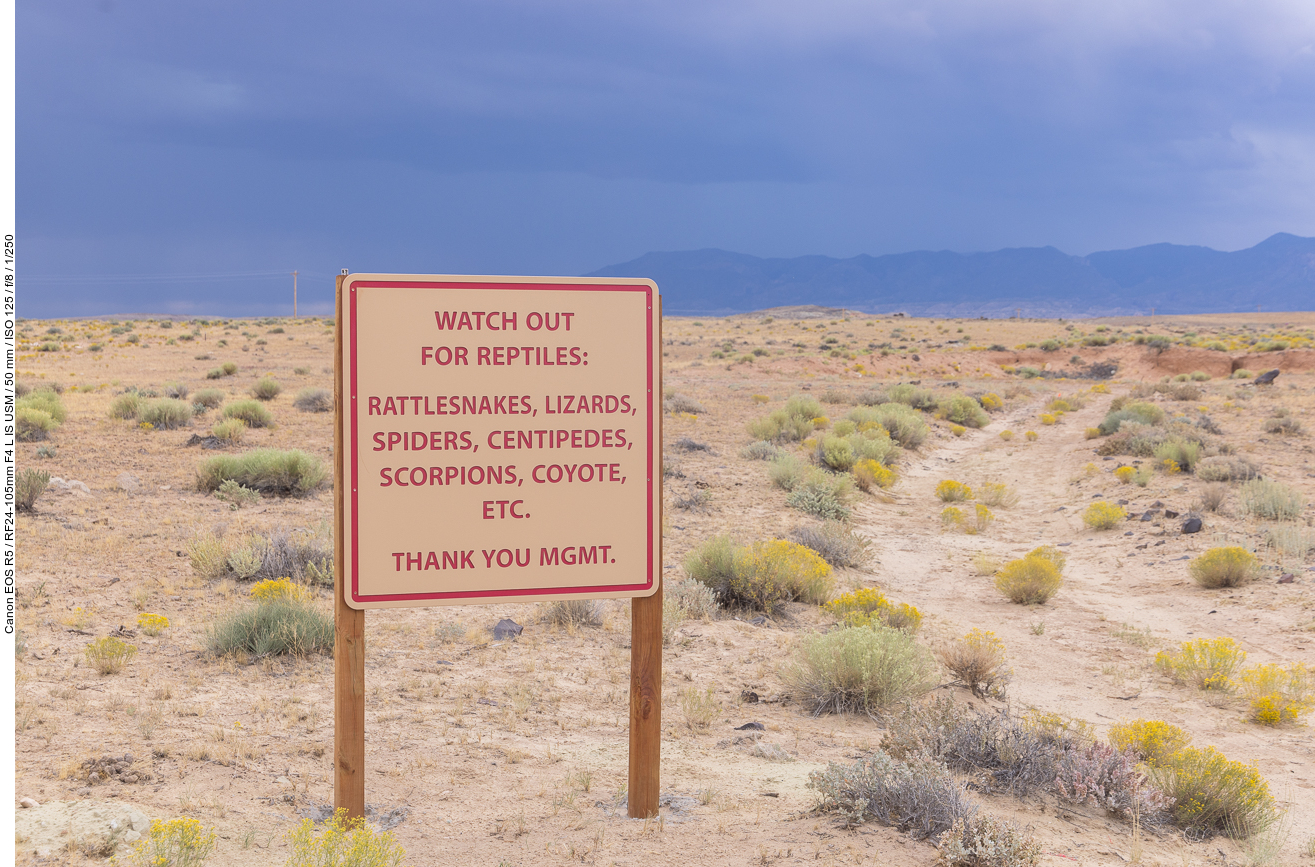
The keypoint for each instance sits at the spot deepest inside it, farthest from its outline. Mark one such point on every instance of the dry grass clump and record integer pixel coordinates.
(301, 555)
(314, 400)
(1291, 540)
(1034, 578)
(271, 471)
(210, 398)
(29, 485)
(1101, 515)
(1206, 663)
(1230, 566)
(699, 708)
(762, 576)
(108, 655)
(1223, 468)
(125, 406)
(571, 613)
(250, 411)
(675, 403)
(761, 450)
(37, 414)
(1213, 496)
(1137, 412)
(231, 431)
(835, 542)
(164, 413)
(791, 424)
(918, 796)
(868, 605)
(861, 669)
(1272, 501)
(978, 662)
(1278, 694)
(997, 494)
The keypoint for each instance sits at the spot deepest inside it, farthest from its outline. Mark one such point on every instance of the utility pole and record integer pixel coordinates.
(294, 294)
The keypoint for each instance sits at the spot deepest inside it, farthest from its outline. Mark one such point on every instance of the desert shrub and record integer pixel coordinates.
(1151, 741)
(249, 411)
(314, 400)
(951, 517)
(1136, 411)
(1030, 436)
(1291, 540)
(1091, 433)
(780, 426)
(29, 484)
(991, 402)
(1048, 418)
(228, 368)
(803, 406)
(821, 423)
(209, 398)
(215, 373)
(1033, 579)
(1125, 474)
(861, 669)
(713, 565)
(343, 842)
(963, 410)
(950, 491)
(868, 605)
(1213, 496)
(47, 400)
(978, 661)
(985, 841)
(1273, 501)
(1211, 793)
(824, 495)
(109, 654)
(912, 395)
(273, 628)
(835, 542)
(677, 403)
(266, 388)
(1205, 663)
(1278, 694)
(171, 843)
(920, 797)
(835, 452)
(1184, 453)
(1112, 779)
(1006, 435)
(165, 413)
(176, 390)
(691, 599)
(958, 430)
(786, 471)
(279, 589)
(32, 424)
(1284, 425)
(904, 425)
(271, 471)
(1101, 515)
(125, 406)
(761, 450)
(803, 573)
(869, 474)
(571, 613)
(152, 624)
(1230, 566)
(841, 451)
(1222, 468)
(231, 431)
(997, 494)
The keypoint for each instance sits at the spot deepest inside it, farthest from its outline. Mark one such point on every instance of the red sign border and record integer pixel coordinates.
(350, 287)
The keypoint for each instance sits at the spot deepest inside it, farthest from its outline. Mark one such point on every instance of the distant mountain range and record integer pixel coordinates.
(1277, 274)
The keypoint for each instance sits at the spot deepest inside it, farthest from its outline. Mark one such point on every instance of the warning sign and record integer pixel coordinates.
(502, 439)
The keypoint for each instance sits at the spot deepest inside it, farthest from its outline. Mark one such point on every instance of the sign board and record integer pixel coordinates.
(501, 439)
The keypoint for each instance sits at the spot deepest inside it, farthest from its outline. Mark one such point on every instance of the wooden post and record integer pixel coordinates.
(646, 678)
(349, 624)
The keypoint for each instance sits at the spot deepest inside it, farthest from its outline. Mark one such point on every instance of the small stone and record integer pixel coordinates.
(1288, 578)
(751, 727)
(1192, 525)
(28, 803)
(283, 781)
(128, 483)
(1170, 513)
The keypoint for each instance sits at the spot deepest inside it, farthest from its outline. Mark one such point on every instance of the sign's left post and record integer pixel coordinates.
(349, 623)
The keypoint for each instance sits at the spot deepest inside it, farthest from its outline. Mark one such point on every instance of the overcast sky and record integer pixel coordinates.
(189, 139)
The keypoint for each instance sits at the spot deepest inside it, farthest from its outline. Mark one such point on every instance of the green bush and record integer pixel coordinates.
(125, 406)
(846, 446)
(823, 495)
(228, 368)
(802, 406)
(904, 425)
(266, 388)
(963, 410)
(28, 486)
(33, 425)
(209, 398)
(274, 628)
(1273, 501)
(271, 471)
(1185, 453)
(862, 669)
(165, 413)
(1139, 412)
(913, 396)
(762, 576)
(780, 426)
(250, 411)
(1033, 579)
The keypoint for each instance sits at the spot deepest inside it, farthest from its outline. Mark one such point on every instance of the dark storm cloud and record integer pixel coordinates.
(558, 137)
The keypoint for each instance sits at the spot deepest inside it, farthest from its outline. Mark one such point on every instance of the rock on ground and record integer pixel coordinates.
(90, 826)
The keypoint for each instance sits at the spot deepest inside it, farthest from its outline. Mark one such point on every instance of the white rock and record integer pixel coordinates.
(28, 803)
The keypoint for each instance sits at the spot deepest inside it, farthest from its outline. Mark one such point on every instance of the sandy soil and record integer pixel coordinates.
(484, 752)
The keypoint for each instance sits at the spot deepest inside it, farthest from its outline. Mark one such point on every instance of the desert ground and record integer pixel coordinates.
(488, 752)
